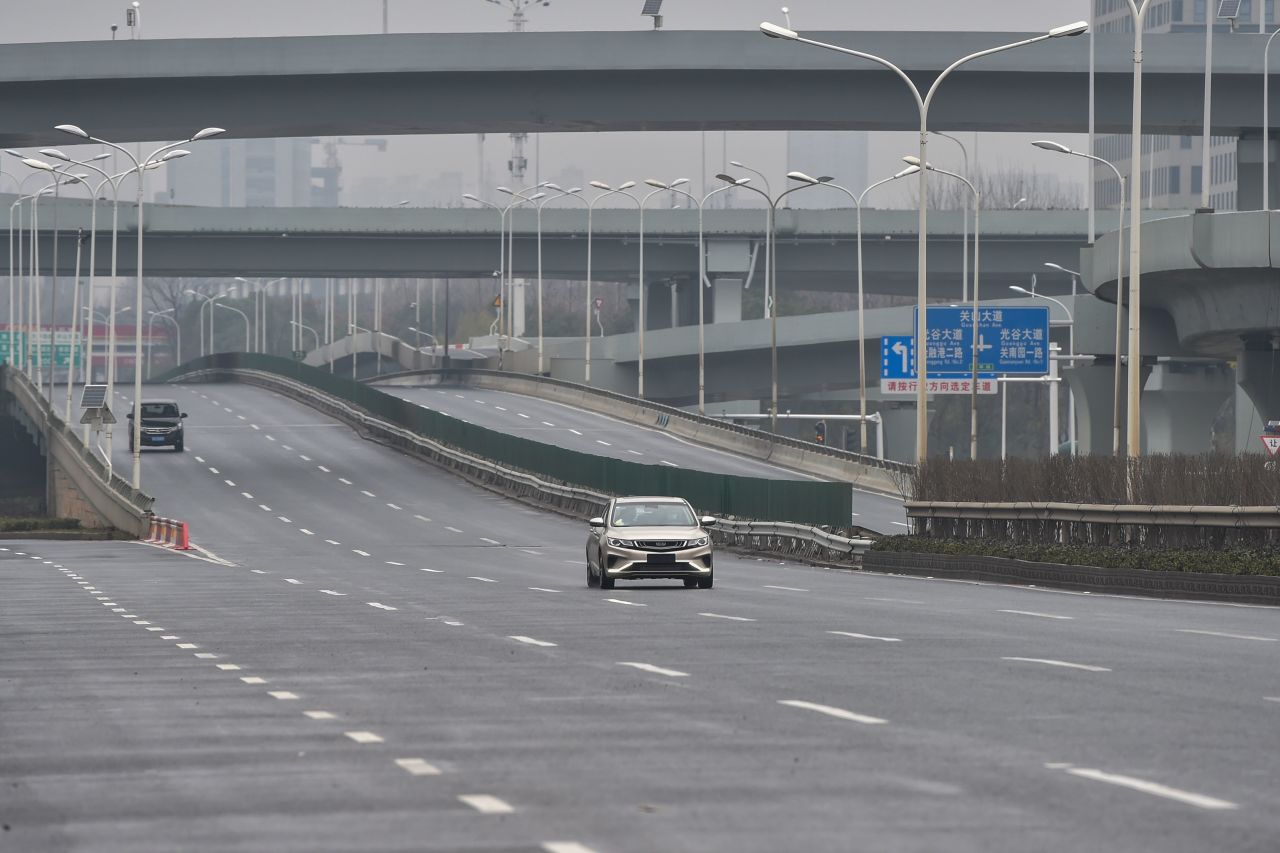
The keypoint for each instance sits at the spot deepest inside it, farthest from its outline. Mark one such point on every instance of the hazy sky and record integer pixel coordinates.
(627, 155)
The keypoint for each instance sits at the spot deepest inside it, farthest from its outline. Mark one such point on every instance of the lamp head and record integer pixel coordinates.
(174, 155)
(679, 182)
(37, 164)
(549, 185)
(601, 185)
(913, 160)
(1050, 145)
(656, 184)
(728, 179)
(506, 190)
(628, 185)
(802, 178)
(71, 129)
(1018, 289)
(207, 132)
(1078, 28)
(469, 197)
(910, 170)
(96, 157)
(55, 154)
(537, 196)
(572, 191)
(774, 31)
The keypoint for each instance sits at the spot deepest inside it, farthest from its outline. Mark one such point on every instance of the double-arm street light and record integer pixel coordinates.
(862, 304)
(1059, 148)
(165, 153)
(964, 240)
(164, 315)
(509, 305)
(1071, 353)
(248, 336)
(923, 102)
(302, 326)
(259, 288)
(200, 320)
(659, 187)
(591, 207)
(503, 212)
(573, 193)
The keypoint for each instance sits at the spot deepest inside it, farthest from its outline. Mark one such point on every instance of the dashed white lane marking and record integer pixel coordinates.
(227, 409)
(200, 459)
(730, 618)
(246, 495)
(270, 438)
(635, 453)
(304, 457)
(242, 417)
(285, 695)
(206, 656)
(331, 592)
(624, 601)
(253, 679)
(453, 530)
(187, 646)
(542, 589)
(264, 507)
(344, 481)
(665, 462)
(895, 600)
(486, 804)
(1228, 636)
(332, 542)
(839, 713)
(530, 641)
(548, 423)
(230, 483)
(865, 636)
(1153, 788)
(214, 471)
(170, 637)
(287, 447)
(421, 517)
(255, 426)
(785, 588)
(490, 541)
(478, 578)
(433, 571)
(396, 508)
(380, 605)
(500, 408)
(320, 715)
(306, 531)
(358, 551)
(565, 847)
(292, 580)
(285, 520)
(602, 441)
(228, 667)
(394, 563)
(523, 415)
(154, 628)
(367, 493)
(1034, 613)
(531, 552)
(417, 767)
(575, 432)
(141, 622)
(324, 469)
(656, 670)
(1271, 698)
(364, 737)
(258, 571)
(1062, 663)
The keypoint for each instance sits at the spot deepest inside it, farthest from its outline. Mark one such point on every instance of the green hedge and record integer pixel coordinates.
(18, 525)
(1230, 561)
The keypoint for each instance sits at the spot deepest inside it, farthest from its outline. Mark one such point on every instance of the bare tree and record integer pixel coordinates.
(1002, 190)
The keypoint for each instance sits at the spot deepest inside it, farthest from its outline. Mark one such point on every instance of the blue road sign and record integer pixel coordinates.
(897, 357)
(1010, 340)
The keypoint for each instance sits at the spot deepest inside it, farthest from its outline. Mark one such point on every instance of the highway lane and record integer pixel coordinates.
(590, 432)
(692, 750)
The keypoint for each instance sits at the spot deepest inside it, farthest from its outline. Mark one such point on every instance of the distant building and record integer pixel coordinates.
(1172, 164)
(244, 173)
(840, 154)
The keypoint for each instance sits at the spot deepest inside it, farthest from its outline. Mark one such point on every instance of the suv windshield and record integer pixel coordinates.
(159, 410)
(667, 514)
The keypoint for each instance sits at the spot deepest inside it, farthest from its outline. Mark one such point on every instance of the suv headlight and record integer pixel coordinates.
(622, 543)
(698, 543)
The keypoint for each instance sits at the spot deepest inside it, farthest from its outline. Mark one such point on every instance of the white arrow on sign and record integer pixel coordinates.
(1272, 442)
(900, 349)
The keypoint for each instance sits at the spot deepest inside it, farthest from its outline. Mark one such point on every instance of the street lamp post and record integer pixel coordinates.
(572, 192)
(1056, 147)
(862, 305)
(509, 305)
(591, 206)
(164, 315)
(168, 152)
(1266, 122)
(923, 103)
(200, 321)
(964, 240)
(1071, 354)
(1071, 394)
(301, 325)
(658, 188)
(248, 336)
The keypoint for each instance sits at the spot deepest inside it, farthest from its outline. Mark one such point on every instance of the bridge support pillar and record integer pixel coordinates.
(899, 430)
(1094, 387)
(1180, 404)
(1249, 173)
(726, 303)
(1258, 372)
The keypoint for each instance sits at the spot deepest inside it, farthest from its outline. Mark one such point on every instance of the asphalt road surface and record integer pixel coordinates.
(589, 432)
(372, 655)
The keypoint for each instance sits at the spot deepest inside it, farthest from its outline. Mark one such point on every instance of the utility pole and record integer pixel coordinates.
(518, 164)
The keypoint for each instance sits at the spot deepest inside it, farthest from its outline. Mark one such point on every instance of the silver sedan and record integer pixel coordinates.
(641, 538)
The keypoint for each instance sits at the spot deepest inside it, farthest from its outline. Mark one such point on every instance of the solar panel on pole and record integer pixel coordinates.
(1229, 9)
(93, 397)
(652, 7)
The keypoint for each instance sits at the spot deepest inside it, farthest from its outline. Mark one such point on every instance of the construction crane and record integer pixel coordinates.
(518, 163)
(326, 192)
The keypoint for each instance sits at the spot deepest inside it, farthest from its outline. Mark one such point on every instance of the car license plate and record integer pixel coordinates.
(662, 559)
(157, 439)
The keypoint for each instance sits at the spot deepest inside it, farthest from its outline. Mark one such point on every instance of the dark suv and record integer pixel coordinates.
(161, 424)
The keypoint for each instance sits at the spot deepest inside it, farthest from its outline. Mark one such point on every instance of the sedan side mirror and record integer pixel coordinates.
(707, 521)
(596, 522)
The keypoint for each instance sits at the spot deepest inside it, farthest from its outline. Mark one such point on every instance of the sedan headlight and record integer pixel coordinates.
(698, 543)
(622, 543)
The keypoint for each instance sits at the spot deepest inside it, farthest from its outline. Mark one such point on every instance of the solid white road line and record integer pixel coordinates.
(1153, 788)
(320, 715)
(865, 636)
(417, 767)
(656, 670)
(363, 737)
(1228, 636)
(623, 601)
(839, 713)
(1034, 613)
(486, 804)
(785, 588)
(1068, 665)
(530, 641)
(730, 618)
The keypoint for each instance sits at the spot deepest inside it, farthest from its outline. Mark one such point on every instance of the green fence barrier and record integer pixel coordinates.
(799, 501)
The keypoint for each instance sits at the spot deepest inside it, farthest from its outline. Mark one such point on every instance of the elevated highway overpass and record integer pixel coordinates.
(608, 81)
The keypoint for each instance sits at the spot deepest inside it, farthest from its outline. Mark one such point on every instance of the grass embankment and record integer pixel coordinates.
(1227, 561)
(22, 525)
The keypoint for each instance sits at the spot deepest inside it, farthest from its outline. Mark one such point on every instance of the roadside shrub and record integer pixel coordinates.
(18, 525)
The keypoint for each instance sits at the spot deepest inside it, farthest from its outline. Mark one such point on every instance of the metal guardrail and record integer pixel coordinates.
(671, 411)
(795, 540)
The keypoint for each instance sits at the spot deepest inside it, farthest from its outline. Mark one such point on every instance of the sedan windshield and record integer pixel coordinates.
(159, 410)
(667, 514)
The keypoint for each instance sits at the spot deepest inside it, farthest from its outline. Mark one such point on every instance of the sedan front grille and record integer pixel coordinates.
(660, 544)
